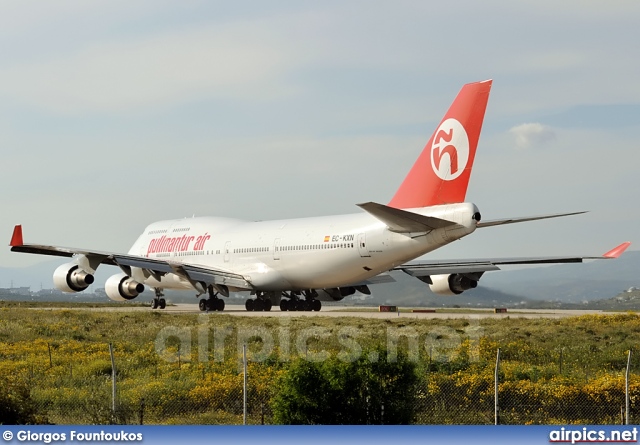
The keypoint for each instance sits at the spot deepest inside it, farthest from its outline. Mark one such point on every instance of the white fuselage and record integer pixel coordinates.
(295, 254)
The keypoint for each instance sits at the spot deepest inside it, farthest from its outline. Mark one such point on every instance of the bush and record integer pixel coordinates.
(333, 392)
(16, 406)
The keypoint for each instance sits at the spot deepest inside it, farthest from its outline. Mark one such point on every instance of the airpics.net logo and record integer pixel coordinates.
(212, 341)
(450, 150)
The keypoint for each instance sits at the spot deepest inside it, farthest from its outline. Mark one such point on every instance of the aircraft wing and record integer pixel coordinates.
(425, 269)
(157, 268)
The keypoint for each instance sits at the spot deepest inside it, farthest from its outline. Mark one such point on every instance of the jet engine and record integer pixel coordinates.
(71, 278)
(453, 284)
(121, 287)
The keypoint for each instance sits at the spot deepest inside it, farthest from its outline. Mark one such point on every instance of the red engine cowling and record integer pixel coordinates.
(71, 278)
(121, 287)
(453, 284)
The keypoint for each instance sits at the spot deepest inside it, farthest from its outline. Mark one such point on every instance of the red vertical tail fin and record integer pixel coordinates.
(441, 173)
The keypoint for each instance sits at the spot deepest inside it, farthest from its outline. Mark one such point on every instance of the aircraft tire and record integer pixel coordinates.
(317, 305)
(202, 305)
(308, 305)
(162, 303)
(284, 305)
(219, 305)
(268, 305)
(249, 305)
(154, 303)
(258, 305)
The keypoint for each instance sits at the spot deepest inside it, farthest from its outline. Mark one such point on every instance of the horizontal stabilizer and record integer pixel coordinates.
(401, 221)
(499, 222)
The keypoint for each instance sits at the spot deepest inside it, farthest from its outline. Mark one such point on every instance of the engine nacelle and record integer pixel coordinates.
(121, 287)
(330, 294)
(71, 278)
(338, 293)
(453, 284)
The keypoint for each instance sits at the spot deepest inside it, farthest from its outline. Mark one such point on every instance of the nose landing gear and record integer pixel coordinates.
(158, 302)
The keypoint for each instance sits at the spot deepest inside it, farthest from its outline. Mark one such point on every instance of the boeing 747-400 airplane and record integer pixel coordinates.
(297, 263)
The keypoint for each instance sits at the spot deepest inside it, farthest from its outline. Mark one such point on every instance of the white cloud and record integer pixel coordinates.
(532, 134)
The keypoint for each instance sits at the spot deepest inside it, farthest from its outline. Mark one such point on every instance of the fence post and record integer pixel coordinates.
(561, 353)
(113, 380)
(244, 385)
(496, 386)
(626, 388)
(141, 411)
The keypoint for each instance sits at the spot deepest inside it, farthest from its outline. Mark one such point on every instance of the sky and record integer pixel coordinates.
(115, 114)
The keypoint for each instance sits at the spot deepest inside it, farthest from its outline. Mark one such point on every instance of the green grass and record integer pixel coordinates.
(63, 356)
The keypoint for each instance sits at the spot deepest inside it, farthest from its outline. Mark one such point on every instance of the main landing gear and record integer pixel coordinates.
(158, 302)
(213, 303)
(292, 301)
(262, 302)
(297, 304)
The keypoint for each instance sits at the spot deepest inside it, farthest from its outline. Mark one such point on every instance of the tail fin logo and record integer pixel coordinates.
(450, 150)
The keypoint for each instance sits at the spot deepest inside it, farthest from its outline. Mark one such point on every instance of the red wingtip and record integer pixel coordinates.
(617, 251)
(16, 238)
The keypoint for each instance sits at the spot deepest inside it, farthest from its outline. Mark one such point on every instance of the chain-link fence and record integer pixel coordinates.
(55, 367)
(445, 393)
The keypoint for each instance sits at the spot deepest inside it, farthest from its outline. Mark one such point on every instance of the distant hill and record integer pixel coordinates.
(593, 280)
(35, 276)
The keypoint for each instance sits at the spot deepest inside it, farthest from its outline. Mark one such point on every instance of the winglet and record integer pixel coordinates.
(617, 251)
(16, 238)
